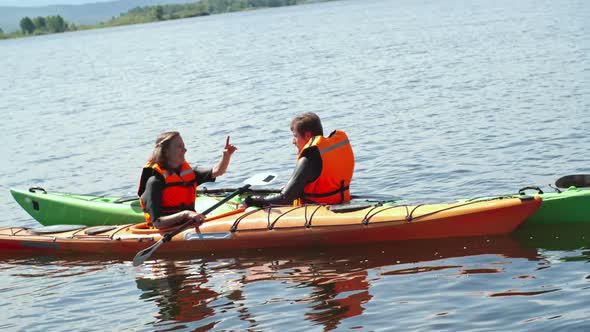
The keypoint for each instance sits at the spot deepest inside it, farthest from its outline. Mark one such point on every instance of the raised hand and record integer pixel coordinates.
(229, 149)
(221, 166)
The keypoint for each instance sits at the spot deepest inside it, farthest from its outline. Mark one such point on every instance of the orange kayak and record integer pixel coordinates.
(304, 226)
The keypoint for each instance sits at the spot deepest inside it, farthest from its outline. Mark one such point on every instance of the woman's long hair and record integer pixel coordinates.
(160, 153)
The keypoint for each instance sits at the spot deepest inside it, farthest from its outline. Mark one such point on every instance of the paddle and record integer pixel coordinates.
(227, 190)
(256, 180)
(203, 191)
(576, 180)
(368, 197)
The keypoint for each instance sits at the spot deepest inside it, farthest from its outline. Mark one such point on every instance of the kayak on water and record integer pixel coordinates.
(286, 226)
(50, 208)
(560, 207)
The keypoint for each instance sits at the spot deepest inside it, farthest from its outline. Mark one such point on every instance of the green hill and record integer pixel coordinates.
(88, 14)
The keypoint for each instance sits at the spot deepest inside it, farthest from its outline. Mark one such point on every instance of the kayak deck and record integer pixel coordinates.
(305, 226)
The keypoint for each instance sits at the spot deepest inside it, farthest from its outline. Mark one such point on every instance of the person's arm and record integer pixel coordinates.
(221, 166)
(152, 198)
(307, 170)
(203, 174)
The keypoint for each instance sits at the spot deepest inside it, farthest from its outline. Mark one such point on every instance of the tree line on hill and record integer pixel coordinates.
(56, 24)
(48, 24)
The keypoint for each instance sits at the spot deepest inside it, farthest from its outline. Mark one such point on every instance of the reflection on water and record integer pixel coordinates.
(179, 292)
(349, 287)
(337, 281)
(555, 237)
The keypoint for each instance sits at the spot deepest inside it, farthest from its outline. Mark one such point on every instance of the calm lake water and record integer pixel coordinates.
(441, 100)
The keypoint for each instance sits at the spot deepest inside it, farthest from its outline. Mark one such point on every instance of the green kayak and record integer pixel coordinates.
(568, 206)
(78, 209)
(560, 207)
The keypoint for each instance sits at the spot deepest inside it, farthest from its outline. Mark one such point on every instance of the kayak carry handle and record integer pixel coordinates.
(35, 189)
(521, 191)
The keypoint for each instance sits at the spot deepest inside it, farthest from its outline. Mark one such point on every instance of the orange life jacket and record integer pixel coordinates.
(332, 186)
(180, 190)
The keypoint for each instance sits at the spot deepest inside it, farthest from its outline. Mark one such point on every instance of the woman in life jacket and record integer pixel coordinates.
(168, 184)
(323, 171)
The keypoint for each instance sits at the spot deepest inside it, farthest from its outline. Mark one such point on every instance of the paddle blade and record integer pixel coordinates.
(577, 180)
(261, 179)
(141, 256)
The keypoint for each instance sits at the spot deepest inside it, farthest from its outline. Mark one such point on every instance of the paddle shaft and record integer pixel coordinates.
(226, 190)
(372, 197)
(168, 236)
(199, 191)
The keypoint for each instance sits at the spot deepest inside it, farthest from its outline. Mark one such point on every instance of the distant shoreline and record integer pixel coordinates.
(38, 26)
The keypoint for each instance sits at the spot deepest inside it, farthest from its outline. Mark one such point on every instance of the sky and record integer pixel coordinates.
(40, 3)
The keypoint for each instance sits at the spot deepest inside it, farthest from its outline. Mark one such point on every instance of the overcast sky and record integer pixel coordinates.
(40, 3)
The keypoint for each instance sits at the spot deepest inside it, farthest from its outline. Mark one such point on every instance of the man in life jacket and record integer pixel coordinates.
(168, 184)
(323, 171)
